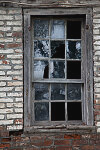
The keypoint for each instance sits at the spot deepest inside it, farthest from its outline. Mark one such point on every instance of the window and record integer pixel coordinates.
(58, 68)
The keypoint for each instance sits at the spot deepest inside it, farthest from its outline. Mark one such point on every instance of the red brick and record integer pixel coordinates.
(97, 107)
(6, 139)
(59, 136)
(4, 145)
(64, 148)
(17, 34)
(51, 148)
(1, 46)
(16, 138)
(72, 136)
(47, 142)
(62, 142)
(35, 138)
(4, 133)
(14, 45)
(87, 147)
(2, 56)
(97, 147)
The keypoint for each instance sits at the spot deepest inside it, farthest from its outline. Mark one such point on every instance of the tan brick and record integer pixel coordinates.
(16, 83)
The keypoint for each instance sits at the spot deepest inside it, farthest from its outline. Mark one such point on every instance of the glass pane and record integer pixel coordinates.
(74, 30)
(58, 29)
(73, 70)
(74, 111)
(74, 91)
(41, 48)
(57, 49)
(41, 111)
(41, 28)
(41, 91)
(57, 111)
(40, 69)
(57, 91)
(73, 49)
(57, 69)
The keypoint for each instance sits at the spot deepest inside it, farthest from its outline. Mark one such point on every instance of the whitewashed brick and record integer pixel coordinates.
(18, 110)
(2, 83)
(2, 105)
(6, 100)
(19, 17)
(17, 28)
(14, 94)
(96, 37)
(5, 78)
(6, 88)
(14, 23)
(6, 39)
(18, 40)
(18, 105)
(96, 47)
(13, 116)
(97, 53)
(96, 20)
(1, 23)
(5, 29)
(2, 117)
(5, 67)
(6, 111)
(16, 61)
(14, 11)
(96, 26)
(97, 43)
(9, 34)
(2, 94)
(97, 31)
(6, 122)
(18, 67)
(19, 56)
(10, 104)
(2, 12)
(98, 124)
(98, 130)
(96, 9)
(14, 72)
(20, 78)
(18, 88)
(2, 73)
(6, 17)
(19, 99)
(16, 83)
(7, 51)
(14, 127)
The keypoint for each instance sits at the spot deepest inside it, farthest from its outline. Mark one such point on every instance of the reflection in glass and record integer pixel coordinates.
(57, 91)
(41, 111)
(41, 91)
(74, 91)
(40, 69)
(41, 48)
(73, 49)
(57, 29)
(57, 69)
(57, 49)
(41, 28)
(73, 29)
(73, 69)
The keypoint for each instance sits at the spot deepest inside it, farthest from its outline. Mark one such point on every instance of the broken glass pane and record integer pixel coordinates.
(73, 69)
(57, 49)
(57, 91)
(57, 69)
(41, 48)
(73, 29)
(41, 91)
(58, 29)
(74, 111)
(41, 28)
(41, 69)
(73, 49)
(74, 91)
(41, 111)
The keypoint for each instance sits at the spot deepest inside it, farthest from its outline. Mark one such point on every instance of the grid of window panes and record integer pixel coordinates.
(57, 58)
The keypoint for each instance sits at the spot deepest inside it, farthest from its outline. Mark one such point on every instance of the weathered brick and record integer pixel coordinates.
(5, 111)
(13, 116)
(6, 122)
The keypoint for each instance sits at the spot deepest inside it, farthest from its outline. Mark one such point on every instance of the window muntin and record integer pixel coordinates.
(57, 75)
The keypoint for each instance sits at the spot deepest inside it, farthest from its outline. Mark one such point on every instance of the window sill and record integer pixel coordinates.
(61, 129)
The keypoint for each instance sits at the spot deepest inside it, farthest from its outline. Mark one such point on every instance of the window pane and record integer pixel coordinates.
(57, 91)
(41, 111)
(40, 69)
(41, 91)
(73, 49)
(57, 29)
(74, 30)
(41, 28)
(57, 111)
(57, 69)
(57, 49)
(74, 111)
(73, 70)
(74, 91)
(41, 48)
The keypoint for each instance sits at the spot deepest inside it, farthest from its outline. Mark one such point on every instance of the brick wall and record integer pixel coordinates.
(11, 68)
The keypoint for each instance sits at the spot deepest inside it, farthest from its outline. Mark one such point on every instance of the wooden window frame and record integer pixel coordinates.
(88, 103)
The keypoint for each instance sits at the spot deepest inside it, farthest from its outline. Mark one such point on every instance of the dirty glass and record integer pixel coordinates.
(41, 28)
(57, 49)
(41, 48)
(57, 92)
(41, 111)
(57, 69)
(41, 91)
(74, 91)
(40, 69)
(57, 29)
(73, 49)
